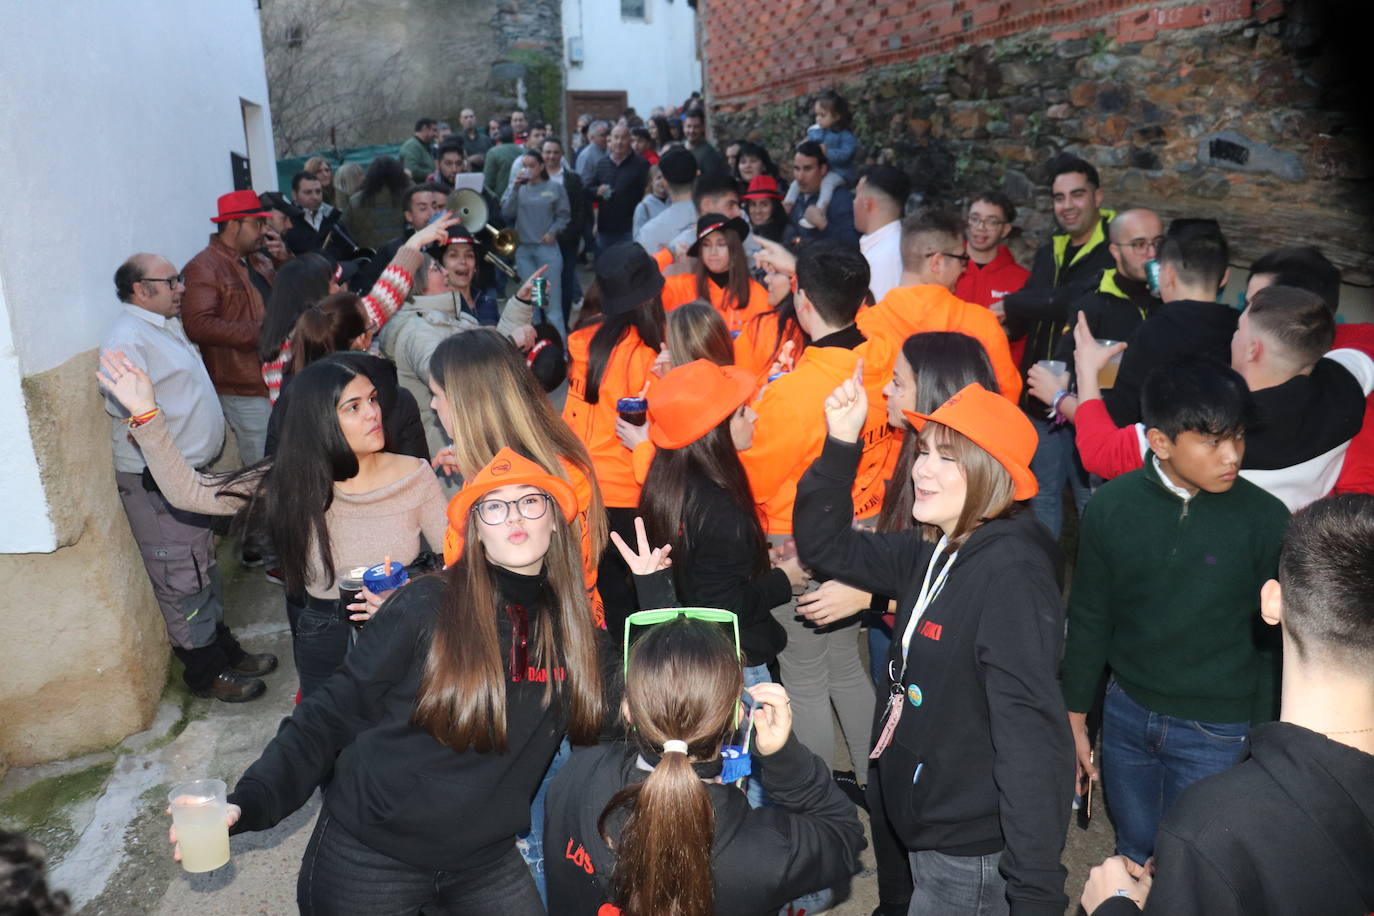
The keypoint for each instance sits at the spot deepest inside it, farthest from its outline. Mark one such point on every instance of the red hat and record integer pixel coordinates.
(762, 187)
(509, 468)
(995, 425)
(238, 205)
(691, 400)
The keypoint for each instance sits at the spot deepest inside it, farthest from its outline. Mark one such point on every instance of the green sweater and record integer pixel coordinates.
(1166, 594)
(416, 158)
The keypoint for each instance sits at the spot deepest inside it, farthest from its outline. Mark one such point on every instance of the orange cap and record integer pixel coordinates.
(996, 425)
(509, 468)
(691, 400)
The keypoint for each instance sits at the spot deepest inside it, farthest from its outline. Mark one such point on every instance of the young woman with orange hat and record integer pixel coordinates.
(696, 499)
(442, 722)
(610, 359)
(974, 760)
(721, 275)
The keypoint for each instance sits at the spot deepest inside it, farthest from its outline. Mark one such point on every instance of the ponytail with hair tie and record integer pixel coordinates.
(673, 744)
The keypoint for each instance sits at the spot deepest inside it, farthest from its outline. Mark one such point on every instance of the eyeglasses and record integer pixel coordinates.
(1145, 246)
(961, 258)
(172, 282)
(496, 511)
(990, 222)
(519, 641)
(728, 621)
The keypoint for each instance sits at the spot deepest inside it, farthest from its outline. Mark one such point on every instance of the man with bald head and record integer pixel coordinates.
(1122, 300)
(177, 547)
(618, 185)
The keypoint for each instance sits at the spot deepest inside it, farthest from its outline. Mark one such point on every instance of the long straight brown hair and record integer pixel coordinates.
(496, 402)
(462, 697)
(683, 683)
(737, 279)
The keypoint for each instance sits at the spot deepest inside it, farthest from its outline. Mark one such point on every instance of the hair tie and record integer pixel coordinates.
(674, 745)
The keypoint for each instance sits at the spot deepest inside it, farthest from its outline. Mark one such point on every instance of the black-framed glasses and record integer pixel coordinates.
(519, 642)
(1144, 246)
(496, 511)
(986, 222)
(961, 257)
(172, 282)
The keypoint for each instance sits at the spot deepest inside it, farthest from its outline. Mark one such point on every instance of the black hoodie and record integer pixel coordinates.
(395, 788)
(761, 857)
(1287, 832)
(982, 760)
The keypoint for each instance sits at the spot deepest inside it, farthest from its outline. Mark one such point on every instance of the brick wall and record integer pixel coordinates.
(1238, 109)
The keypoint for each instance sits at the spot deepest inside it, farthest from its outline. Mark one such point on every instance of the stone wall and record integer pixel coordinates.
(83, 652)
(367, 69)
(1233, 109)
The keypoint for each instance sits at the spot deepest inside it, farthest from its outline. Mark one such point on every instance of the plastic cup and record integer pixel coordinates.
(1053, 366)
(1106, 376)
(198, 815)
(350, 581)
(633, 410)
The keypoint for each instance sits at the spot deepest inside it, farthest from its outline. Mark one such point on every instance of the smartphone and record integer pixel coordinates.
(1085, 801)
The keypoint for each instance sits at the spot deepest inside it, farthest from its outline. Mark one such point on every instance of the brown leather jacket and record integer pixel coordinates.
(222, 312)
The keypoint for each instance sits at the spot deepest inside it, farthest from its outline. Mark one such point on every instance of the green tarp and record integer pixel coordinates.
(363, 155)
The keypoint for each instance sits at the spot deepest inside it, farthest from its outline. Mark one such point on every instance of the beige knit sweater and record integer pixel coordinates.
(363, 527)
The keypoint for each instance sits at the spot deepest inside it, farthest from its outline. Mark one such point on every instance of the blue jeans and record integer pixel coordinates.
(528, 259)
(1056, 463)
(340, 875)
(605, 240)
(756, 674)
(319, 641)
(879, 642)
(531, 844)
(957, 885)
(1149, 758)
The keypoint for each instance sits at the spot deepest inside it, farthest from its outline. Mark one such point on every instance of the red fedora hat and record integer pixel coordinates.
(238, 205)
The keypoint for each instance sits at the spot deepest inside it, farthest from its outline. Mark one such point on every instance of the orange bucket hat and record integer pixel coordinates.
(691, 400)
(509, 468)
(996, 425)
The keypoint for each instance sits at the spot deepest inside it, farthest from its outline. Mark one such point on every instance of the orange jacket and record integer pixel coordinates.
(754, 347)
(583, 489)
(627, 370)
(682, 288)
(791, 430)
(908, 310)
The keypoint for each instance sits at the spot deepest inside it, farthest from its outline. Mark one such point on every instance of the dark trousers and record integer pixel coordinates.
(178, 550)
(340, 876)
(319, 640)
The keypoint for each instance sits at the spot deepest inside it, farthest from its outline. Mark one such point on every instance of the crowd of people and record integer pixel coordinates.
(651, 519)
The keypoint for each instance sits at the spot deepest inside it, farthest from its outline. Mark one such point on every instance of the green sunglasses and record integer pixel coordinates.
(727, 619)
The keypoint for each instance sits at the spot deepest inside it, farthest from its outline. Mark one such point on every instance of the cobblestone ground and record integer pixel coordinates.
(102, 815)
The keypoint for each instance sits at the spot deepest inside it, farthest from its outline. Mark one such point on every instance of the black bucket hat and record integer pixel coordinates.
(628, 277)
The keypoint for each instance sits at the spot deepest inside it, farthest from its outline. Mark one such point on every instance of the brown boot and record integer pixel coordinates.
(255, 665)
(232, 687)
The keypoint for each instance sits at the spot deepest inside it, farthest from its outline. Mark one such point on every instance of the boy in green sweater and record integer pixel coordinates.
(1171, 560)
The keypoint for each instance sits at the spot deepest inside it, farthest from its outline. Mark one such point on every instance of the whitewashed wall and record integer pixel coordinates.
(655, 61)
(118, 123)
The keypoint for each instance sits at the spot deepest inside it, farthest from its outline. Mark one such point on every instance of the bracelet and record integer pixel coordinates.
(1054, 406)
(135, 422)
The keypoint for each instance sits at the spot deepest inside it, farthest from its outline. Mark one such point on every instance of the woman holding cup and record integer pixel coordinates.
(333, 497)
(442, 722)
(611, 359)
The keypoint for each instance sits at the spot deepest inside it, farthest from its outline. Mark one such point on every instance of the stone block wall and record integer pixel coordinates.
(1234, 109)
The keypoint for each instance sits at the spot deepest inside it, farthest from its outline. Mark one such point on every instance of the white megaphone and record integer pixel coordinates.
(471, 209)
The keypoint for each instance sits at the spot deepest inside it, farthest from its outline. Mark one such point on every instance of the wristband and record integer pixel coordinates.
(1054, 406)
(137, 421)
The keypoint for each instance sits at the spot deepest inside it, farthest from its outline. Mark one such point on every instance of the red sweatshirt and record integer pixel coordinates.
(1357, 474)
(991, 283)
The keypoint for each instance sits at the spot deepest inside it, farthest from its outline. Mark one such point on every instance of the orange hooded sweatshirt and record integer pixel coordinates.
(791, 430)
(754, 347)
(682, 288)
(626, 373)
(908, 310)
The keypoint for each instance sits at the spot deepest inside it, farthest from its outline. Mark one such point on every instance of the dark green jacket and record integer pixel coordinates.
(1166, 594)
(417, 159)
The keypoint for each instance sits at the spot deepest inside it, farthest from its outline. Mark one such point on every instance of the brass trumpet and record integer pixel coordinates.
(471, 209)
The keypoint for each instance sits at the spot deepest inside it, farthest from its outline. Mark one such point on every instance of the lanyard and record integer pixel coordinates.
(929, 592)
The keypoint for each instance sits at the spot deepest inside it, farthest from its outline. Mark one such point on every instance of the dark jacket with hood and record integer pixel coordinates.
(405, 430)
(1287, 832)
(1184, 327)
(395, 787)
(1038, 311)
(982, 760)
(1114, 310)
(761, 857)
